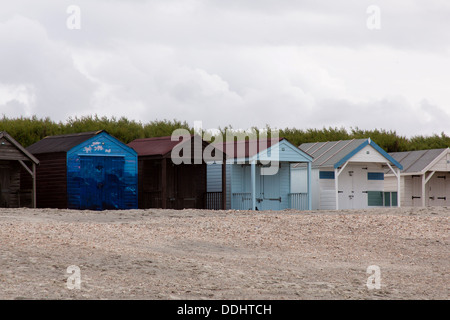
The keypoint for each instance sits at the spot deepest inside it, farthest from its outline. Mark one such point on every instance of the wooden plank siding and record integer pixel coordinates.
(10, 174)
(13, 159)
(90, 170)
(184, 184)
(51, 181)
(9, 184)
(102, 174)
(8, 151)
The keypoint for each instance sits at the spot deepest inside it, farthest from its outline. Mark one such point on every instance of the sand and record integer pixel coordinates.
(200, 254)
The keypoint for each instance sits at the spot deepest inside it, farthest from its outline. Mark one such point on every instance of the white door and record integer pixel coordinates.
(437, 195)
(346, 191)
(353, 188)
(360, 199)
(416, 191)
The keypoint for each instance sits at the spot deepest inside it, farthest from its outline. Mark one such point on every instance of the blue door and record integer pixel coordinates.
(270, 193)
(102, 188)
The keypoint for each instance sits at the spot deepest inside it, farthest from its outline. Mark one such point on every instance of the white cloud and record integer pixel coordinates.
(39, 72)
(285, 63)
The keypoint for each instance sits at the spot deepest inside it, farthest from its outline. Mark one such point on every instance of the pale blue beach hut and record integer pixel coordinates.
(258, 175)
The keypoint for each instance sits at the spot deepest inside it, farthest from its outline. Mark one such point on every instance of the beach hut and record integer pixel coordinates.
(163, 181)
(89, 170)
(425, 179)
(349, 174)
(13, 158)
(258, 175)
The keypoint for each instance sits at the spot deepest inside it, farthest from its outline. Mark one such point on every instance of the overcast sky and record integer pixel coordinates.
(285, 63)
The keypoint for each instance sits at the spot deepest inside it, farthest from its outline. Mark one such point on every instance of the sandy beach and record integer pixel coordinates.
(200, 254)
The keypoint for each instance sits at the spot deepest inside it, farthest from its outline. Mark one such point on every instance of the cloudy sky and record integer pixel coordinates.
(286, 63)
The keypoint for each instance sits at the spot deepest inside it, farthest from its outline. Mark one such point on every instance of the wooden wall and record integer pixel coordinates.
(10, 174)
(51, 181)
(185, 183)
(102, 174)
(149, 184)
(9, 184)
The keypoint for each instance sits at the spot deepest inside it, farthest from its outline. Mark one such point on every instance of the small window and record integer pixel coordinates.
(390, 199)
(375, 176)
(375, 198)
(387, 199)
(326, 175)
(380, 199)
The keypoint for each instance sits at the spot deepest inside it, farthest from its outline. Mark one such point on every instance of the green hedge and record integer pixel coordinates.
(28, 130)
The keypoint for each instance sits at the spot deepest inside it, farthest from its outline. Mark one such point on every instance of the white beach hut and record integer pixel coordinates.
(347, 174)
(425, 179)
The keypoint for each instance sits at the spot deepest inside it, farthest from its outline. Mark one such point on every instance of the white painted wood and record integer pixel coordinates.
(368, 154)
(439, 188)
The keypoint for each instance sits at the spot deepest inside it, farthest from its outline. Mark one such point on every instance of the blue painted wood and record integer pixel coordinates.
(376, 147)
(309, 167)
(102, 174)
(265, 192)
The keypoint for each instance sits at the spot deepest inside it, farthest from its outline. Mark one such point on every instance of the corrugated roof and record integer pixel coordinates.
(416, 161)
(327, 154)
(336, 153)
(60, 143)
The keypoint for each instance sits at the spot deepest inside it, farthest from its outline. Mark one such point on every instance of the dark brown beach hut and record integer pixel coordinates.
(165, 184)
(13, 157)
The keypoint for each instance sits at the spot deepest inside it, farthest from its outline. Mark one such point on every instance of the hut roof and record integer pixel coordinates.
(335, 153)
(18, 146)
(60, 143)
(417, 161)
(159, 146)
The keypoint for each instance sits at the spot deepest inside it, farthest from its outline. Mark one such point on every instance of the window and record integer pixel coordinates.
(375, 198)
(390, 199)
(375, 176)
(326, 175)
(380, 199)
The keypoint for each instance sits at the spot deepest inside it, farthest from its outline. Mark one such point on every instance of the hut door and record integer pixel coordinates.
(5, 181)
(416, 191)
(271, 198)
(101, 188)
(346, 190)
(92, 172)
(438, 195)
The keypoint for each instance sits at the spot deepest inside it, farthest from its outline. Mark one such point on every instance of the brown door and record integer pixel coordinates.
(5, 182)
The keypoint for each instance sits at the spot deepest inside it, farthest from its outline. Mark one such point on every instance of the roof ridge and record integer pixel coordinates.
(74, 134)
(159, 138)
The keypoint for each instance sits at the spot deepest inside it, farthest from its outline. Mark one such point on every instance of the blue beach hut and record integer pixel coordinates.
(90, 170)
